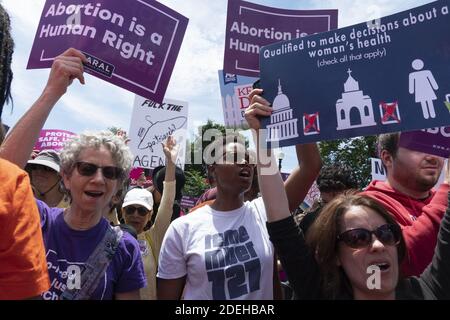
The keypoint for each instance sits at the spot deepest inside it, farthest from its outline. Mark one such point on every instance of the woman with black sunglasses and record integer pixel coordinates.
(86, 257)
(93, 167)
(137, 210)
(353, 251)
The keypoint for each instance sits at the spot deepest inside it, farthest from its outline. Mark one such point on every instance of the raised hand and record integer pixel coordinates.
(259, 107)
(65, 68)
(170, 149)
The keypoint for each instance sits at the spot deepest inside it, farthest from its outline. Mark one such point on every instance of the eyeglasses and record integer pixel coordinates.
(140, 210)
(389, 234)
(89, 169)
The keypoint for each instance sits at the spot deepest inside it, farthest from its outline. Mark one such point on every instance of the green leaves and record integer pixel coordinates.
(354, 152)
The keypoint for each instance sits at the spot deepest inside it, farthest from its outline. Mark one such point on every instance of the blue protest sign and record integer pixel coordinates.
(370, 78)
(234, 90)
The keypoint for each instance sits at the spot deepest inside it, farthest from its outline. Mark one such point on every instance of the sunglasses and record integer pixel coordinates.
(140, 210)
(388, 234)
(89, 169)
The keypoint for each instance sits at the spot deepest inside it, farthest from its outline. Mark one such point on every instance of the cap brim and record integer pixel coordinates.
(45, 163)
(134, 202)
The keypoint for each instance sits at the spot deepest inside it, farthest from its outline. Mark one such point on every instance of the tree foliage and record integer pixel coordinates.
(196, 171)
(195, 183)
(354, 152)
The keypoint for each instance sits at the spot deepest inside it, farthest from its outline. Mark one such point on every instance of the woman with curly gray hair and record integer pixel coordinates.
(86, 257)
(93, 167)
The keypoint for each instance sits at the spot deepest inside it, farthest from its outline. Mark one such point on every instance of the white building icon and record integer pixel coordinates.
(353, 100)
(282, 124)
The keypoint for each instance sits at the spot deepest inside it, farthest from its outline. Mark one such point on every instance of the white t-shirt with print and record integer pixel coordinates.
(225, 254)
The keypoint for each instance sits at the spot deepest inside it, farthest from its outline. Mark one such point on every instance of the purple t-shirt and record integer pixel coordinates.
(65, 247)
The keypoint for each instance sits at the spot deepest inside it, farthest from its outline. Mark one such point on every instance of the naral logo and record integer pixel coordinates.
(98, 65)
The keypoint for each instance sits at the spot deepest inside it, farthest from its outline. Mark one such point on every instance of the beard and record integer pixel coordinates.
(426, 183)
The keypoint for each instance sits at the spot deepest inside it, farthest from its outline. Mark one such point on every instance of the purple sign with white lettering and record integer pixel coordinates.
(132, 44)
(433, 141)
(251, 26)
(188, 202)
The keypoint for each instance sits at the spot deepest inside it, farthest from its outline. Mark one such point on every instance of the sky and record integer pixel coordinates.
(99, 105)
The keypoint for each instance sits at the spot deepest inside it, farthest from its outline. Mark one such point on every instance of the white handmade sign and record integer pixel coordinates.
(151, 124)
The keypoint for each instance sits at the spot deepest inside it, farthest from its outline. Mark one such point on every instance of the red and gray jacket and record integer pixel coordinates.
(419, 219)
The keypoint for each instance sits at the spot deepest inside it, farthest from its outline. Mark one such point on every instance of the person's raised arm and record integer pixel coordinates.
(164, 215)
(303, 176)
(286, 236)
(270, 181)
(20, 141)
(437, 275)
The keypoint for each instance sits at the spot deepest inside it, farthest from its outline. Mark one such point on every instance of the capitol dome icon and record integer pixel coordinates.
(282, 123)
(355, 109)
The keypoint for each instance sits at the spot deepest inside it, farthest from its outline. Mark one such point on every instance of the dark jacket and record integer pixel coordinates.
(304, 277)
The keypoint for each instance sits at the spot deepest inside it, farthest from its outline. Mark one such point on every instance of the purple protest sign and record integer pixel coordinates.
(52, 139)
(251, 26)
(133, 46)
(433, 141)
(188, 202)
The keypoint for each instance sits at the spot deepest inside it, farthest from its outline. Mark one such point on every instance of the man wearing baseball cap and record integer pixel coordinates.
(45, 178)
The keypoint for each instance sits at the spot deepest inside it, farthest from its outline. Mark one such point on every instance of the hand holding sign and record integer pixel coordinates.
(259, 107)
(170, 149)
(65, 68)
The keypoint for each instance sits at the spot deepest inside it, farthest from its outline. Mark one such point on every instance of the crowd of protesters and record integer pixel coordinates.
(72, 228)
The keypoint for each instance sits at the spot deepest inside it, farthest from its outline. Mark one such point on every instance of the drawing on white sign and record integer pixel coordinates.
(167, 127)
(151, 124)
(423, 85)
(353, 100)
(282, 123)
